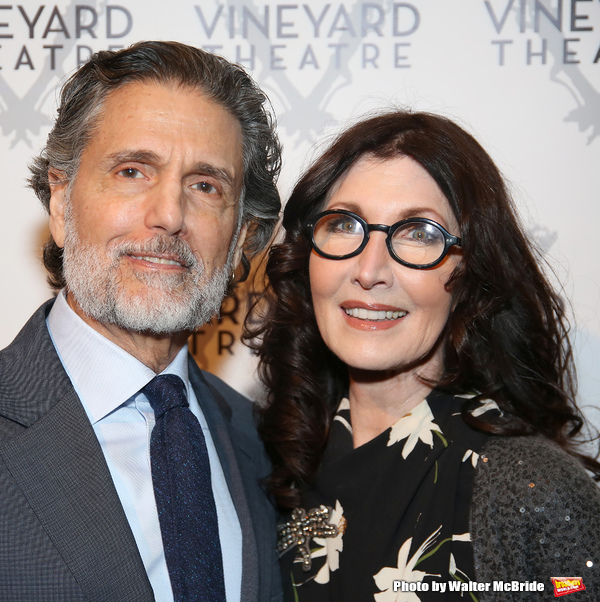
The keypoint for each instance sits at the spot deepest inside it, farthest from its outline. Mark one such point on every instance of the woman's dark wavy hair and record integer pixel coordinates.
(79, 116)
(506, 338)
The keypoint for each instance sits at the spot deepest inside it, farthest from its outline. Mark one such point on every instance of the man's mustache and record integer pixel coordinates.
(171, 246)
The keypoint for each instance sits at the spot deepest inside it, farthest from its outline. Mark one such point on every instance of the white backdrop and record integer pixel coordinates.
(522, 75)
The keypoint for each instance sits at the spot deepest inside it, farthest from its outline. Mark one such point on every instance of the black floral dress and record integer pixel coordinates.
(398, 521)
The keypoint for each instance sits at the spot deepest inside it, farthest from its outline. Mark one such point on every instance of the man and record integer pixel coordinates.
(158, 175)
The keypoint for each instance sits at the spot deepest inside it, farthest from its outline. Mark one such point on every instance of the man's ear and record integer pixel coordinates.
(58, 200)
(239, 245)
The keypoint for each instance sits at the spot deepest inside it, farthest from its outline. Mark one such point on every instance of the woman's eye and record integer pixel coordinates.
(130, 172)
(420, 234)
(345, 226)
(205, 187)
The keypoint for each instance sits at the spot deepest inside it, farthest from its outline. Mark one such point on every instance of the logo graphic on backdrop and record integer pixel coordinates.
(329, 42)
(303, 53)
(41, 43)
(559, 34)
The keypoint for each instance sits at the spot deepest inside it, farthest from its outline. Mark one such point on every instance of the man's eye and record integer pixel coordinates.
(130, 172)
(205, 187)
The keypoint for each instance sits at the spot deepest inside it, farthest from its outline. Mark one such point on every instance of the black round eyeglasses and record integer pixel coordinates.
(416, 242)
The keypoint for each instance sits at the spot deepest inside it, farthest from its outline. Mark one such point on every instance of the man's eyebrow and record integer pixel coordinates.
(135, 156)
(213, 171)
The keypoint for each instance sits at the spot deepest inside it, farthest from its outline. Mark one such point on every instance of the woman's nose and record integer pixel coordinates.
(374, 264)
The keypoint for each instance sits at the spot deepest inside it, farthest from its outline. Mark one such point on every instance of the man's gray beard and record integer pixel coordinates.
(168, 303)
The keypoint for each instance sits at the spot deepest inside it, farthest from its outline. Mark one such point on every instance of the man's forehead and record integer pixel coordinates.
(151, 118)
(137, 95)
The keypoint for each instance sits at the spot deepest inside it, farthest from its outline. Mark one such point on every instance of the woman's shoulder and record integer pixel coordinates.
(529, 478)
(535, 513)
(529, 458)
(525, 479)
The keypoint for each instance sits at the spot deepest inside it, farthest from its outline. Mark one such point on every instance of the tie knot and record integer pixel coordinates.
(164, 393)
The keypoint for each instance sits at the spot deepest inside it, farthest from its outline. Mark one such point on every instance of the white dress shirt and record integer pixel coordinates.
(108, 382)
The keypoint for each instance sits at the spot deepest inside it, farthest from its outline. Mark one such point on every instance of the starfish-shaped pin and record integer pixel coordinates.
(302, 528)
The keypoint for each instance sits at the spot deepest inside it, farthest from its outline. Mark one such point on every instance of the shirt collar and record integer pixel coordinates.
(103, 375)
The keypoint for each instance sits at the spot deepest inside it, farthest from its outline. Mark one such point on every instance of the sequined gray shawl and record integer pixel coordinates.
(535, 514)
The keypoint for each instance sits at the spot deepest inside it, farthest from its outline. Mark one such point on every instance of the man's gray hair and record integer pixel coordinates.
(82, 100)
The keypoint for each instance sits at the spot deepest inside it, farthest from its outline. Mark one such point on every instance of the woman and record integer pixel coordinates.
(420, 413)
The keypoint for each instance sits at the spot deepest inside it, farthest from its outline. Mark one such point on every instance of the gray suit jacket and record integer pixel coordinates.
(63, 531)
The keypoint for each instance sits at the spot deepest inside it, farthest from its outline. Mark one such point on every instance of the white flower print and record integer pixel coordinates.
(486, 406)
(454, 571)
(344, 405)
(473, 455)
(405, 572)
(331, 546)
(416, 425)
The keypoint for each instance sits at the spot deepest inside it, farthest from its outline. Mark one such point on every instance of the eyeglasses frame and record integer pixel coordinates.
(449, 239)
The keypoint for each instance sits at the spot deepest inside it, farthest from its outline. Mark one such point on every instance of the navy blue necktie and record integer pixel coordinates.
(183, 492)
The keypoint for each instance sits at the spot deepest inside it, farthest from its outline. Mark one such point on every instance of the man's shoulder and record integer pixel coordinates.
(30, 372)
(32, 331)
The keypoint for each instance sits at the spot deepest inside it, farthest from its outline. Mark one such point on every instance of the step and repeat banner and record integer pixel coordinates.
(522, 75)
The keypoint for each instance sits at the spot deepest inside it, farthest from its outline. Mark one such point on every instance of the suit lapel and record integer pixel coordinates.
(59, 465)
(218, 416)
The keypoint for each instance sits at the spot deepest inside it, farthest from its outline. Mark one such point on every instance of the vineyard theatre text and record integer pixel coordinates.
(278, 33)
(561, 30)
(51, 33)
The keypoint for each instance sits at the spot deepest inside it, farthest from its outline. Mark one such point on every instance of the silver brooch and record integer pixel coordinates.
(302, 528)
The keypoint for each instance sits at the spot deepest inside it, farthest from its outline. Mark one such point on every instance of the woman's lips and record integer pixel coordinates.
(374, 315)
(371, 316)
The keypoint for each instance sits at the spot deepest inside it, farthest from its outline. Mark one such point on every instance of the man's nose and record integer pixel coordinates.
(165, 207)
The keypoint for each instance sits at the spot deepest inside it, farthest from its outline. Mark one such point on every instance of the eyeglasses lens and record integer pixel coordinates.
(418, 243)
(338, 234)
